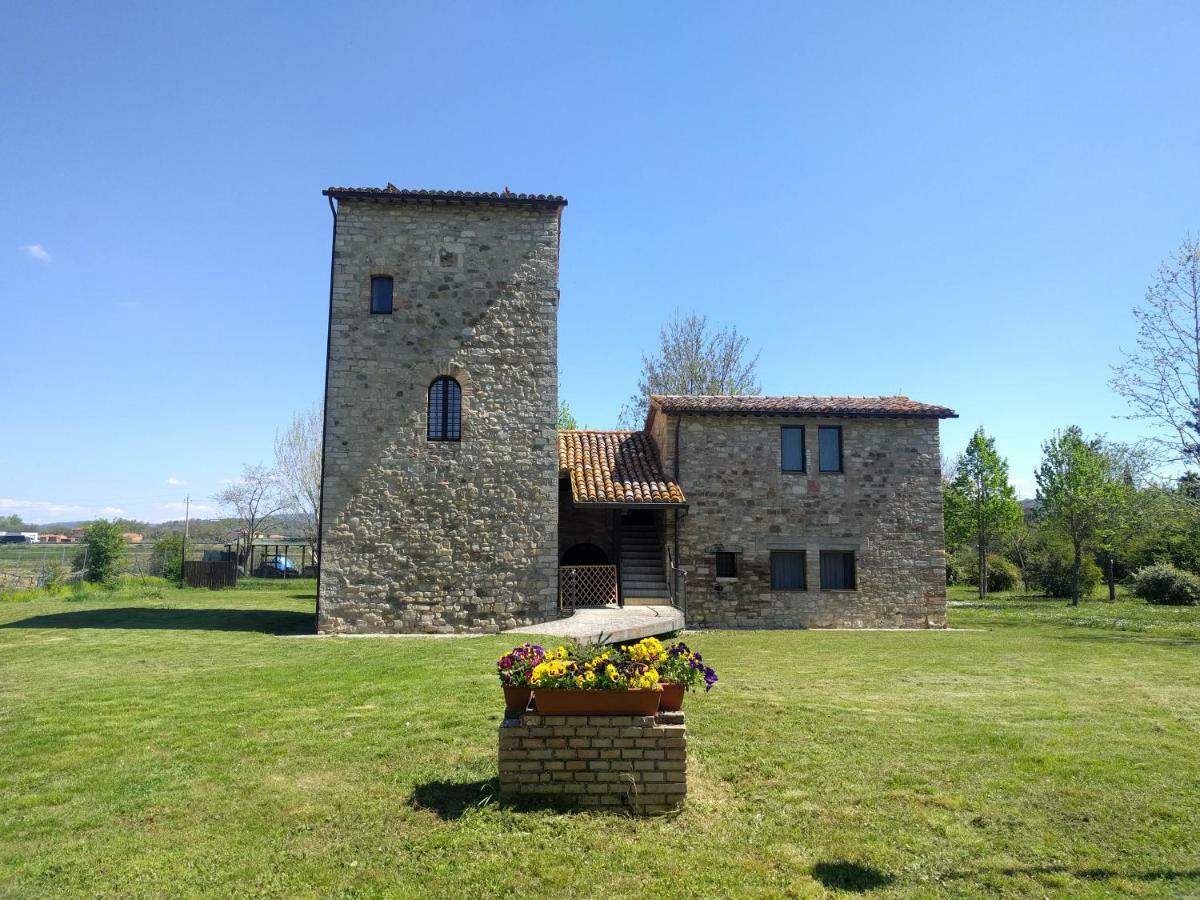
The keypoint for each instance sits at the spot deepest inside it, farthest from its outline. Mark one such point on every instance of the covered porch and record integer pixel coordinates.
(613, 505)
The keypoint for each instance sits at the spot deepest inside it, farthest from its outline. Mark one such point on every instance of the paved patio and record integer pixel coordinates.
(614, 625)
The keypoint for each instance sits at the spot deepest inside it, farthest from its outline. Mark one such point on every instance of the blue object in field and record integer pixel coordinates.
(282, 564)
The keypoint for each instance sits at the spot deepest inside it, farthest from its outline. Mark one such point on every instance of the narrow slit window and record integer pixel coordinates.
(381, 295)
(829, 441)
(791, 448)
(788, 570)
(445, 410)
(726, 564)
(837, 570)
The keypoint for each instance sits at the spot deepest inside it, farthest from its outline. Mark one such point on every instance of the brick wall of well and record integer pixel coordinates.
(886, 506)
(422, 536)
(638, 763)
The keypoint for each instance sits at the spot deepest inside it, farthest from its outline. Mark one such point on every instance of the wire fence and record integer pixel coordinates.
(25, 567)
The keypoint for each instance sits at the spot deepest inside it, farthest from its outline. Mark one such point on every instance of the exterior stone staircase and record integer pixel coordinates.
(643, 574)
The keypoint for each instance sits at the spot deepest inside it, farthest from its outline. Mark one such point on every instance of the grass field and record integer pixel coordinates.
(184, 743)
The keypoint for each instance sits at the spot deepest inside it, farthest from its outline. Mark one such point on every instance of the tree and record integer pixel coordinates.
(566, 419)
(980, 505)
(1076, 491)
(692, 359)
(166, 559)
(255, 499)
(1128, 505)
(103, 550)
(298, 466)
(1161, 379)
(13, 523)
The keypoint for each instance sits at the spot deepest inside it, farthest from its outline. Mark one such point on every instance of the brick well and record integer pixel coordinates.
(637, 763)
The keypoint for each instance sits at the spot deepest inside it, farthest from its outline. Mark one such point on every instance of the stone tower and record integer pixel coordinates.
(440, 479)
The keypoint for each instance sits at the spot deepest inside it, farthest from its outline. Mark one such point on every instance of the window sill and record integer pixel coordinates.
(852, 590)
(726, 579)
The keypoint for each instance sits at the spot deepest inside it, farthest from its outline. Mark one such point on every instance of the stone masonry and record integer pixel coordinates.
(885, 505)
(427, 536)
(638, 763)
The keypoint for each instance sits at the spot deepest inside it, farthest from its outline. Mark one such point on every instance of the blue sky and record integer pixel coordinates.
(960, 202)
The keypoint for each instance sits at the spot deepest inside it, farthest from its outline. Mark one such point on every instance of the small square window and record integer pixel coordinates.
(788, 570)
(791, 448)
(726, 564)
(381, 295)
(829, 442)
(837, 570)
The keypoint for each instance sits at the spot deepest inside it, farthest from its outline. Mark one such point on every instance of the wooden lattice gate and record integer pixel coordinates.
(582, 587)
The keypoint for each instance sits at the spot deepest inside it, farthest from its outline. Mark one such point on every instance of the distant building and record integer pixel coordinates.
(55, 539)
(132, 537)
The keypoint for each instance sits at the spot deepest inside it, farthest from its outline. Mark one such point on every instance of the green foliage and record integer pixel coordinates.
(1078, 490)
(166, 560)
(1051, 570)
(13, 523)
(566, 420)
(980, 504)
(102, 551)
(1002, 575)
(1166, 585)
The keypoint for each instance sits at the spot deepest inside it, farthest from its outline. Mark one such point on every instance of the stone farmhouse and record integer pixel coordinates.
(451, 503)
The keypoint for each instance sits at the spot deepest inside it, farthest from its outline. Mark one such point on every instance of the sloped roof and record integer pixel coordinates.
(422, 196)
(615, 467)
(876, 407)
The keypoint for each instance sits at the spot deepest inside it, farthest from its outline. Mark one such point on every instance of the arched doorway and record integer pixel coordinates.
(585, 555)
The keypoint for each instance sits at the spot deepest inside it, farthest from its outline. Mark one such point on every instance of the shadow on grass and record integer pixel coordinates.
(451, 800)
(266, 621)
(1096, 874)
(849, 876)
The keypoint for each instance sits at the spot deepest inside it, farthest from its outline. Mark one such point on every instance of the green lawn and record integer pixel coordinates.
(164, 742)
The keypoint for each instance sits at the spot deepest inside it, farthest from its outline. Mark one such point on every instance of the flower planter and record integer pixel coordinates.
(672, 697)
(565, 702)
(516, 699)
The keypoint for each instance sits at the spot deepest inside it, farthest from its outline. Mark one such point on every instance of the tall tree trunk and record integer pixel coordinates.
(982, 550)
(1112, 579)
(1075, 573)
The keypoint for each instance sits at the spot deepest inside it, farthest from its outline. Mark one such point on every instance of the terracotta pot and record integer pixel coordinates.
(565, 702)
(516, 699)
(672, 697)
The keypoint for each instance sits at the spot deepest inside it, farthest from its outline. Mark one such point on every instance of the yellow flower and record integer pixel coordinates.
(591, 676)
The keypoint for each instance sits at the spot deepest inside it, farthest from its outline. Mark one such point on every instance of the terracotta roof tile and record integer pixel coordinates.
(418, 195)
(875, 407)
(615, 467)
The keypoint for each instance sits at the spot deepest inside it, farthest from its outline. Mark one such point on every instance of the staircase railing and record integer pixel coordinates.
(678, 597)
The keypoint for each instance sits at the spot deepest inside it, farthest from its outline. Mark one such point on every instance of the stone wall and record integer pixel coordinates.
(886, 506)
(421, 536)
(638, 763)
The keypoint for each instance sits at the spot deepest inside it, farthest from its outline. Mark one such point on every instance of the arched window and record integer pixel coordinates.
(445, 410)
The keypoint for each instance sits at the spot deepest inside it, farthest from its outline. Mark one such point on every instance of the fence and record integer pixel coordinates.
(580, 587)
(210, 573)
(28, 566)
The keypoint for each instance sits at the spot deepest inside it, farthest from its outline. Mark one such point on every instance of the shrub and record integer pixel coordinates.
(1050, 571)
(1165, 585)
(103, 551)
(165, 558)
(1002, 574)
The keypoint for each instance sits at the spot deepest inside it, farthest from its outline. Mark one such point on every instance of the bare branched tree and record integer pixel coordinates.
(692, 359)
(1161, 379)
(298, 466)
(254, 499)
